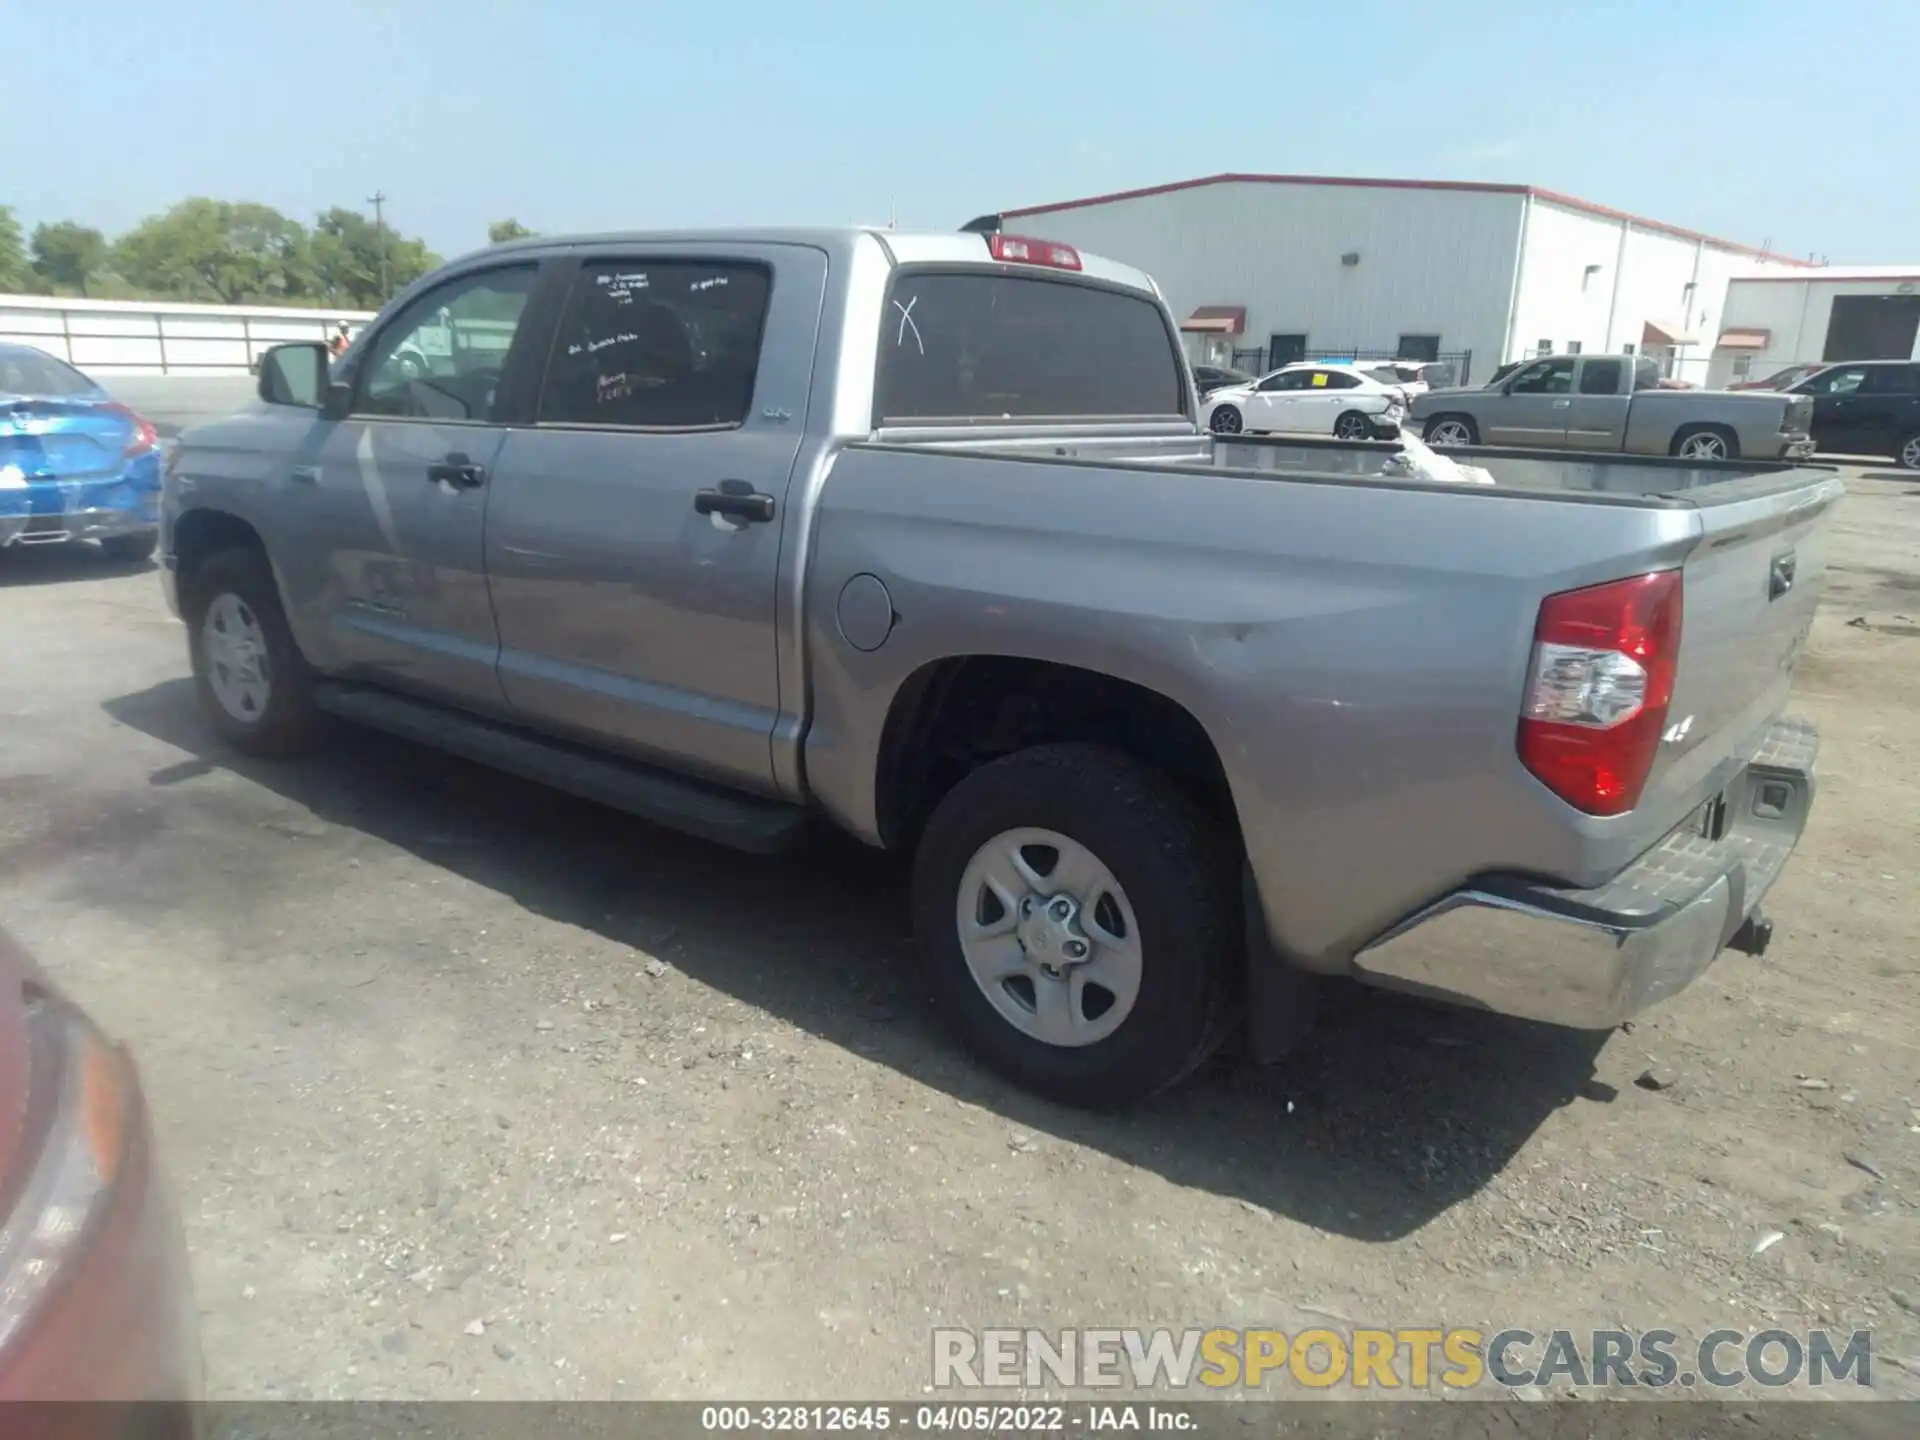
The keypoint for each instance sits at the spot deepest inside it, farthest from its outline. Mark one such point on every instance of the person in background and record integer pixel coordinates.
(338, 345)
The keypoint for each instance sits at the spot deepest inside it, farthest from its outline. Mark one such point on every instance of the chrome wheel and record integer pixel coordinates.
(235, 646)
(1704, 446)
(1350, 427)
(1049, 937)
(1449, 432)
(1910, 454)
(1225, 421)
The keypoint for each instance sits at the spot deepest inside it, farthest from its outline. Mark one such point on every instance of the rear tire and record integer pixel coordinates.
(1909, 453)
(1162, 913)
(255, 686)
(1352, 425)
(131, 549)
(1451, 430)
(1226, 420)
(1705, 442)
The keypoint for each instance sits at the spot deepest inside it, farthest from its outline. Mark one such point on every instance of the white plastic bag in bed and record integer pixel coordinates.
(1417, 461)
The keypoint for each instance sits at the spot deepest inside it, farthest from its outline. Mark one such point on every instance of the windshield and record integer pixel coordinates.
(29, 372)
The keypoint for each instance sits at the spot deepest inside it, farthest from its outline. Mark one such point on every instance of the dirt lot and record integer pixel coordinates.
(429, 1047)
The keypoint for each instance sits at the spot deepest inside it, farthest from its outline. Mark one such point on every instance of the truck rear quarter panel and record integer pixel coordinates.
(1356, 653)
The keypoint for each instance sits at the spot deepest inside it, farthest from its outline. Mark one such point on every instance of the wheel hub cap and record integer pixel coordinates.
(236, 655)
(1049, 937)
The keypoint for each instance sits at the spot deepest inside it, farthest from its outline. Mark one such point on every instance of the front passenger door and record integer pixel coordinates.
(1836, 408)
(1535, 408)
(396, 506)
(1273, 403)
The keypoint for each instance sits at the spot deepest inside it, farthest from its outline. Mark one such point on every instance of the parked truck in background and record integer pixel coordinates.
(921, 537)
(1616, 403)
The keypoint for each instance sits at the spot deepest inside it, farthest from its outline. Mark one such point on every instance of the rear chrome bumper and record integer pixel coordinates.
(1588, 959)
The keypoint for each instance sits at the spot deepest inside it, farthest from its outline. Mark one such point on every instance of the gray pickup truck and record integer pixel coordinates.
(917, 533)
(1614, 402)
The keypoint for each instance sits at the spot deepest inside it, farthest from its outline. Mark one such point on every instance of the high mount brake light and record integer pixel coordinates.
(1025, 250)
(1604, 660)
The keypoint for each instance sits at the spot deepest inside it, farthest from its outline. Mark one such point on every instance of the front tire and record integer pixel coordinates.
(1121, 991)
(133, 549)
(1227, 420)
(255, 687)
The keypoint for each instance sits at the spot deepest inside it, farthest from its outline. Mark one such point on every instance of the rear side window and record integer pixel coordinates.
(989, 346)
(1601, 377)
(1893, 380)
(658, 345)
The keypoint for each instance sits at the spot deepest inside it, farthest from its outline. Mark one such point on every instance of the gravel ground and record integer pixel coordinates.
(473, 1090)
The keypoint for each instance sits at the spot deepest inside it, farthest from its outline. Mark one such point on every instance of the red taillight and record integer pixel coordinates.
(1597, 693)
(144, 438)
(1025, 250)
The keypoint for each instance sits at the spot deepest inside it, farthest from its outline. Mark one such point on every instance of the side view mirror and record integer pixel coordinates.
(294, 375)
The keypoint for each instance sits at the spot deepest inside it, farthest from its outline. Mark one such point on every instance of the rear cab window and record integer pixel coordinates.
(971, 346)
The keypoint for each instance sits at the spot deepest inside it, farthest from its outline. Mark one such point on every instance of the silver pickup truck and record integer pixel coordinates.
(1615, 402)
(917, 533)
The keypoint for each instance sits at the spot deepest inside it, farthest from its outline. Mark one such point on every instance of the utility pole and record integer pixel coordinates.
(379, 199)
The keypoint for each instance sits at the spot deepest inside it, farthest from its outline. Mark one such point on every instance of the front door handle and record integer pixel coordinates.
(747, 505)
(459, 472)
(305, 474)
(1562, 404)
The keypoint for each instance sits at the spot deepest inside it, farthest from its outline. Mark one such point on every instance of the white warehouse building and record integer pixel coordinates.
(1838, 312)
(1262, 269)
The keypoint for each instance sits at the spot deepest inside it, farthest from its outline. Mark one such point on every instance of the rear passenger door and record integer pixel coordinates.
(634, 529)
(1597, 420)
(1889, 409)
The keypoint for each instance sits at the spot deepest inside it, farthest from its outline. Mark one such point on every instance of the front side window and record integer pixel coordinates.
(1285, 380)
(1549, 377)
(658, 345)
(1842, 380)
(441, 358)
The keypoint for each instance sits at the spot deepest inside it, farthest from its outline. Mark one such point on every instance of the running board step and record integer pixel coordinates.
(744, 822)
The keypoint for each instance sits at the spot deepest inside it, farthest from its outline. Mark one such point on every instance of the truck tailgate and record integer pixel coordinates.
(1750, 590)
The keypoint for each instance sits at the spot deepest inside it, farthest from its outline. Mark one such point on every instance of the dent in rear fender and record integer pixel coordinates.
(1355, 654)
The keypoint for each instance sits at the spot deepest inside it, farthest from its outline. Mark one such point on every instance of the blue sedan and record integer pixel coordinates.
(75, 464)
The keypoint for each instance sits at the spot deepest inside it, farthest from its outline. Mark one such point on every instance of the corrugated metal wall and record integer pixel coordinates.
(1435, 262)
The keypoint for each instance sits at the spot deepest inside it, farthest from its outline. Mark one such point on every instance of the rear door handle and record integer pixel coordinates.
(459, 472)
(748, 505)
(1562, 404)
(305, 474)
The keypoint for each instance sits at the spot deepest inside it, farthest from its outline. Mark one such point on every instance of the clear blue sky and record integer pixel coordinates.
(1774, 120)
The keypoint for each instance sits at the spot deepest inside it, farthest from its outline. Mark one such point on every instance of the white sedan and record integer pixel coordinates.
(1306, 398)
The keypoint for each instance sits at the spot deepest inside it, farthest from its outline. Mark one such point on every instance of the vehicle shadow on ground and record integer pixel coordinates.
(58, 564)
(1392, 1112)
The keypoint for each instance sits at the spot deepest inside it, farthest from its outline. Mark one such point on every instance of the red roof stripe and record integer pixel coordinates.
(1552, 197)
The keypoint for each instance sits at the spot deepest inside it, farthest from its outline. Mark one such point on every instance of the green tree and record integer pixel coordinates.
(501, 231)
(343, 260)
(15, 273)
(68, 253)
(217, 250)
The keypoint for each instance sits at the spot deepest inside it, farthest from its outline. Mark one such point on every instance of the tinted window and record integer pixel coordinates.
(1893, 380)
(658, 344)
(1285, 380)
(441, 357)
(1549, 377)
(28, 372)
(1843, 380)
(956, 346)
(1602, 377)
